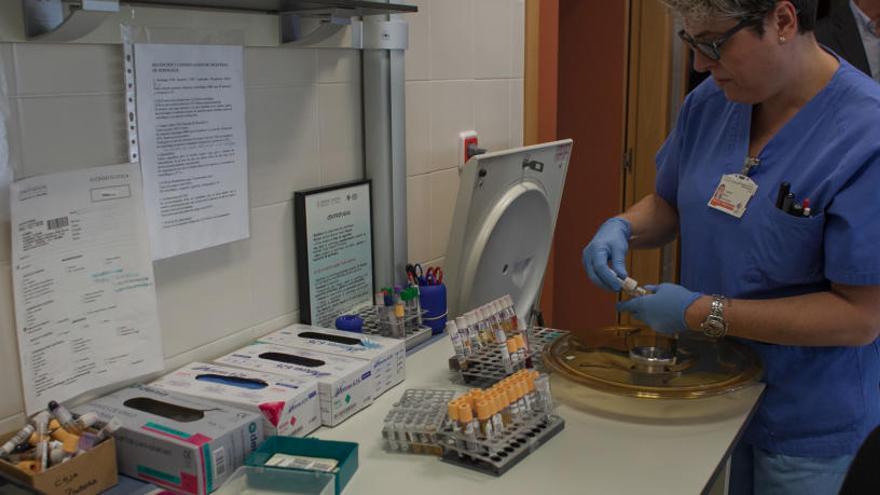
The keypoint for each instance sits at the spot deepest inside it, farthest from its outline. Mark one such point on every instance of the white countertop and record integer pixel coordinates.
(610, 445)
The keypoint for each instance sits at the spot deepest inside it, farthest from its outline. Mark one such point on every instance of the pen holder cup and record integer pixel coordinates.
(433, 300)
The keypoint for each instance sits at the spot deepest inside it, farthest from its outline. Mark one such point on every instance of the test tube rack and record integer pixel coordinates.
(414, 422)
(485, 367)
(418, 424)
(415, 334)
(501, 453)
(540, 338)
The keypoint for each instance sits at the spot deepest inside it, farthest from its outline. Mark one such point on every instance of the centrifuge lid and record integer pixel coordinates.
(503, 226)
(637, 362)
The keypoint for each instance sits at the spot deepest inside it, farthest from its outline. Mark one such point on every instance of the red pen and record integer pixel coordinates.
(806, 205)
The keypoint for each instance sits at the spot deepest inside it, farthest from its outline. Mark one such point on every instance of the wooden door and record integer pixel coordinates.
(652, 100)
(600, 73)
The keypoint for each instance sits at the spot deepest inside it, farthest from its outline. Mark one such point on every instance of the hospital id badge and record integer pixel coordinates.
(733, 194)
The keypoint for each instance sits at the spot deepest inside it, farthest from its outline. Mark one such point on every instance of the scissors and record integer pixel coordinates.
(434, 276)
(415, 274)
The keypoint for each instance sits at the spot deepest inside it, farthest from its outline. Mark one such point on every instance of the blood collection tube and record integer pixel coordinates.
(511, 311)
(473, 331)
(511, 350)
(461, 327)
(542, 385)
(506, 359)
(466, 419)
(22, 436)
(41, 421)
(484, 415)
(64, 417)
(497, 407)
(457, 344)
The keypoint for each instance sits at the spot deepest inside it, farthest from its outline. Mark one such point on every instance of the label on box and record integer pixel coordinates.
(303, 462)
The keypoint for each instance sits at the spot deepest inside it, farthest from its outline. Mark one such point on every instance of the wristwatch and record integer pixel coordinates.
(714, 325)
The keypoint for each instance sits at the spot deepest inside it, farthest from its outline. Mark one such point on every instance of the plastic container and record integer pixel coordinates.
(350, 323)
(346, 453)
(254, 480)
(433, 299)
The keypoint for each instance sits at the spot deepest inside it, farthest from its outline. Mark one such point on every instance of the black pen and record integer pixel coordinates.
(787, 202)
(784, 189)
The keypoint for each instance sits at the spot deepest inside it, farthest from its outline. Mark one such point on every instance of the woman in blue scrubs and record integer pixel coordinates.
(771, 177)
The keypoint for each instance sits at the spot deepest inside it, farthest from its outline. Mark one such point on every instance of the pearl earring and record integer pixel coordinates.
(782, 39)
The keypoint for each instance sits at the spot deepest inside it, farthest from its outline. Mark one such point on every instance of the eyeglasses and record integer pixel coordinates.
(712, 49)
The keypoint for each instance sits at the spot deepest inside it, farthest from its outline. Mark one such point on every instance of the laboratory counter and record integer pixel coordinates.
(610, 445)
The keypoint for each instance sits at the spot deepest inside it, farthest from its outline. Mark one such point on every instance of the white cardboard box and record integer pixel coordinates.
(289, 405)
(181, 443)
(345, 384)
(388, 356)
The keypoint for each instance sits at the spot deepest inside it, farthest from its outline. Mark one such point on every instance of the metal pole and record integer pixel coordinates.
(385, 159)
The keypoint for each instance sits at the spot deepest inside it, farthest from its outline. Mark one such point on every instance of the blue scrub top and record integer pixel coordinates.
(819, 401)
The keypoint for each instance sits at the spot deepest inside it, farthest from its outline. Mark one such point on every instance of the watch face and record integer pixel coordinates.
(714, 327)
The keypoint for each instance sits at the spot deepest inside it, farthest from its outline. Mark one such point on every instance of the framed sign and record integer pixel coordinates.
(334, 242)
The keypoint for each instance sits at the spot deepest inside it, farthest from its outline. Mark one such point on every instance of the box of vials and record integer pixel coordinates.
(289, 405)
(387, 356)
(345, 384)
(185, 444)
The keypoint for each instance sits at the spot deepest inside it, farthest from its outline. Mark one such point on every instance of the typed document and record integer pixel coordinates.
(193, 145)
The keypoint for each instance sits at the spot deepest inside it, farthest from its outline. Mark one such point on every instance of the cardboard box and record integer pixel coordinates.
(289, 405)
(86, 474)
(185, 444)
(388, 356)
(345, 384)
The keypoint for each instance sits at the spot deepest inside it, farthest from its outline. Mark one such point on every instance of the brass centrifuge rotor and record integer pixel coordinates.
(636, 362)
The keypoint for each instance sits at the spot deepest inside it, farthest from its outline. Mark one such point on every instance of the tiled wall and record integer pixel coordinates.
(464, 70)
(304, 130)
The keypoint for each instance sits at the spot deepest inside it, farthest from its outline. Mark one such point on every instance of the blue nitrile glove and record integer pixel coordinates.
(609, 244)
(663, 310)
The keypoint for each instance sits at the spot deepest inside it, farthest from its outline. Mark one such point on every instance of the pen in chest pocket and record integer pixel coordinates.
(786, 200)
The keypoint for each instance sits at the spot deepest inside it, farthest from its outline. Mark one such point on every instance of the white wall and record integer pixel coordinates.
(464, 70)
(304, 130)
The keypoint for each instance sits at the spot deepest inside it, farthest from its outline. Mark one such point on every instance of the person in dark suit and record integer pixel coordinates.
(847, 31)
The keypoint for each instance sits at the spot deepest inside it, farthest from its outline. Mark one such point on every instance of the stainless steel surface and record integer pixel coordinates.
(652, 359)
(385, 160)
(637, 362)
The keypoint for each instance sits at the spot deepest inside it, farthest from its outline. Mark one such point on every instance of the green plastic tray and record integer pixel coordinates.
(346, 453)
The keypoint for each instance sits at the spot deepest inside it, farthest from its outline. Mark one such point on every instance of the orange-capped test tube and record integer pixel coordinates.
(484, 415)
(523, 393)
(452, 410)
(497, 408)
(511, 349)
(468, 429)
(521, 348)
(465, 414)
